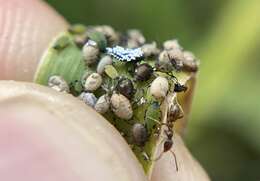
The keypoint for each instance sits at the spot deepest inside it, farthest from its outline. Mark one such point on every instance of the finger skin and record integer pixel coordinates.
(50, 136)
(26, 28)
(189, 168)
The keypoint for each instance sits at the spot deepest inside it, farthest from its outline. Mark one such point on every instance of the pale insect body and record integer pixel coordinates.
(121, 106)
(135, 38)
(110, 34)
(102, 104)
(150, 50)
(90, 52)
(58, 83)
(93, 82)
(159, 88)
(164, 63)
(172, 44)
(106, 60)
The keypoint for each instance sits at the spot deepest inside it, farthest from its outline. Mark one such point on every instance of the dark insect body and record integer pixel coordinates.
(125, 87)
(175, 112)
(140, 134)
(179, 88)
(143, 72)
(167, 145)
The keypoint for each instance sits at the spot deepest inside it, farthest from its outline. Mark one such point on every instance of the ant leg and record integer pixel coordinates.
(156, 121)
(175, 160)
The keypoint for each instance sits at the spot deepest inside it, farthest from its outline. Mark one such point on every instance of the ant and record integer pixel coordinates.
(167, 145)
(174, 113)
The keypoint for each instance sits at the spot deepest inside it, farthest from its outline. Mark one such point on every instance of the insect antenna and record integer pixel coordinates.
(175, 160)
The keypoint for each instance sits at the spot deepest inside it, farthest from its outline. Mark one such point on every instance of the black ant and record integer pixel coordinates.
(167, 145)
(175, 112)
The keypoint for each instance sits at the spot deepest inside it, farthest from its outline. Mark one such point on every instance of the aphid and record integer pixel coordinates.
(61, 43)
(143, 72)
(150, 50)
(190, 63)
(99, 38)
(121, 106)
(135, 38)
(102, 104)
(176, 56)
(90, 52)
(125, 87)
(179, 88)
(58, 83)
(172, 44)
(159, 88)
(140, 134)
(123, 54)
(167, 145)
(77, 29)
(88, 98)
(111, 71)
(106, 60)
(110, 34)
(164, 63)
(174, 113)
(93, 82)
(80, 40)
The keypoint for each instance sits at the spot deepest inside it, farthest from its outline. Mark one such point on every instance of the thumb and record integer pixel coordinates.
(26, 28)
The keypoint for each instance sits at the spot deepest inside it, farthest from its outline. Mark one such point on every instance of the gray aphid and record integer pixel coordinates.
(88, 98)
(106, 60)
(90, 52)
(102, 104)
(58, 83)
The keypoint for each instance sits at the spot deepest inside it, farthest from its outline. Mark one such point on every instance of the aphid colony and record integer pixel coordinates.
(125, 73)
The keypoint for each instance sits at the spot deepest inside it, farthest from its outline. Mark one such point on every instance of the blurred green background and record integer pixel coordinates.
(225, 35)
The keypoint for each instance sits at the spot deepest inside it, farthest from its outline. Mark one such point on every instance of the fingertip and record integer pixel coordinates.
(26, 28)
(59, 137)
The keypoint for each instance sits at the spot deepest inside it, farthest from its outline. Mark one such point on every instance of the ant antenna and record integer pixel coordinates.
(175, 160)
(174, 156)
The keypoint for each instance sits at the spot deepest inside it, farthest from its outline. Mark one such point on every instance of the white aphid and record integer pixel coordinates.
(109, 33)
(189, 56)
(93, 82)
(90, 52)
(135, 38)
(159, 88)
(190, 62)
(177, 57)
(164, 63)
(102, 104)
(58, 83)
(106, 60)
(121, 106)
(176, 54)
(88, 98)
(172, 44)
(150, 49)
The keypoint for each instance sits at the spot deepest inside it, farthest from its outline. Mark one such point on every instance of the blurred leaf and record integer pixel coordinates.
(223, 54)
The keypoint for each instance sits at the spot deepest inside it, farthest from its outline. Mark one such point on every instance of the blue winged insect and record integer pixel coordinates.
(125, 54)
